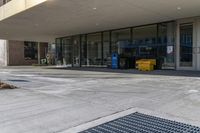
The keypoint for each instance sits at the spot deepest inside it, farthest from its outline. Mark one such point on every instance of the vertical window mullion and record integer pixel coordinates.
(80, 51)
(110, 39)
(102, 48)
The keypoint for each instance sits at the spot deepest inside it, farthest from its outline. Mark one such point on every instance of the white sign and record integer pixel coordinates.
(170, 49)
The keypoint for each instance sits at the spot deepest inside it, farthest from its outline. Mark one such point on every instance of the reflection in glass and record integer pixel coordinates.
(120, 40)
(83, 50)
(58, 51)
(153, 41)
(67, 51)
(106, 47)
(94, 50)
(145, 40)
(165, 48)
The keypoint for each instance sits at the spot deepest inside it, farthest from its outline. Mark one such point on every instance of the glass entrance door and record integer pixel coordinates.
(186, 45)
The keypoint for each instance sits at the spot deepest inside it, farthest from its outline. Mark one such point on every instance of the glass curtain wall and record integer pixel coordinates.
(68, 51)
(152, 41)
(156, 42)
(94, 50)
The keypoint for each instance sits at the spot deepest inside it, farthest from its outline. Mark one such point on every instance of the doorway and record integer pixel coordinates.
(186, 44)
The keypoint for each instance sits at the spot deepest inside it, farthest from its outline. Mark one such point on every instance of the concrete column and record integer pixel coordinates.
(3, 53)
(7, 54)
(177, 46)
(39, 57)
(195, 45)
(198, 44)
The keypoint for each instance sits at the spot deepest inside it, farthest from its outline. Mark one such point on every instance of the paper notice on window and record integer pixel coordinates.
(170, 49)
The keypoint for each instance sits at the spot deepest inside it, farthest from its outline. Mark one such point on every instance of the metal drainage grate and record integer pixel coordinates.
(141, 123)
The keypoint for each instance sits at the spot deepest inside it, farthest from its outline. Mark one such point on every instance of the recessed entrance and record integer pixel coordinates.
(154, 41)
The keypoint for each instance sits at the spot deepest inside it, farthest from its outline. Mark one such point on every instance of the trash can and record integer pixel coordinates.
(146, 64)
(123, 63)
(115, 61)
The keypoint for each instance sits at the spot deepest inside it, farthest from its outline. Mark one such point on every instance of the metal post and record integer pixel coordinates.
(39, 57)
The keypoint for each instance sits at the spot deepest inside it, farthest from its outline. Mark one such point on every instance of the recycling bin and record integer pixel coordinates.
(115, 61)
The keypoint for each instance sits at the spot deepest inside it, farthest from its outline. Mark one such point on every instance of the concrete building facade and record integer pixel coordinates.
(88, 32)
(17, 53)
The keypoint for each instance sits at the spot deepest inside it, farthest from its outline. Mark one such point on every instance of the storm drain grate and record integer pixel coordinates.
(141, 123)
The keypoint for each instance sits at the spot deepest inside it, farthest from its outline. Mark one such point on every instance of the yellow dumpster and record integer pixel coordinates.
(145, 64)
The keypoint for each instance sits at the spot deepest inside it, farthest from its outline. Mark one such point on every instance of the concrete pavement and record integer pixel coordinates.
(51, 100)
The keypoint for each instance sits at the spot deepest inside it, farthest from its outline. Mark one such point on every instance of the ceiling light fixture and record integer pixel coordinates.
(94, 5)
(179, 8)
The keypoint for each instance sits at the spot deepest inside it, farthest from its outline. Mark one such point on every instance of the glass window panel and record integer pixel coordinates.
(67, 51)
(186, 45)
(145, 39)
(30, 50)
(106, 48)
(58, 51)
(166, 49)
(83, 50)
(120, 39)
(94, 49)
(76, 51)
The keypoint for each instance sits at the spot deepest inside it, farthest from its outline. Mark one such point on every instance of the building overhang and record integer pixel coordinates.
(45, 20)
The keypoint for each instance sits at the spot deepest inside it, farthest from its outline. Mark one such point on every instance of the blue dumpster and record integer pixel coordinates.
(115, 61)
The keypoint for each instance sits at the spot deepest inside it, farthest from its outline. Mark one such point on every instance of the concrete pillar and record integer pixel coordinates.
(3, 53)
(198, 44)
(7, 54)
